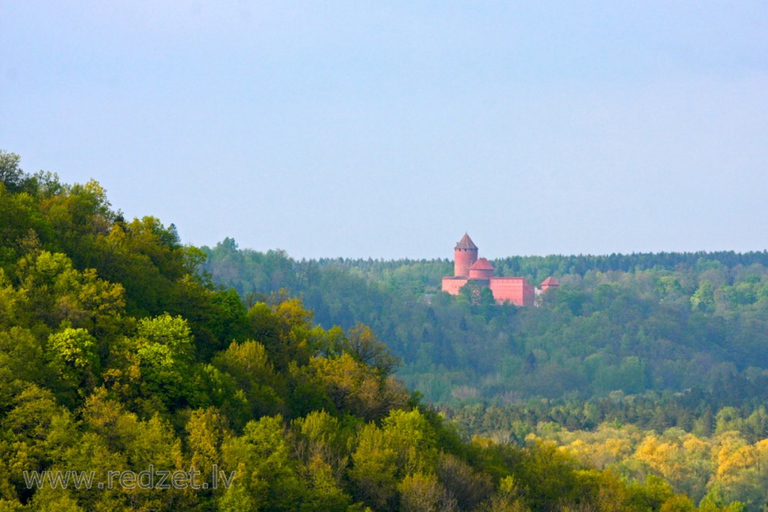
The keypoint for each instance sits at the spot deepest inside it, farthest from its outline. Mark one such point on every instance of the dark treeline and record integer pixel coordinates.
(538, 268)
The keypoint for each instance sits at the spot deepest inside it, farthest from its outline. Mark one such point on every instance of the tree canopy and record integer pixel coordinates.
(118, 356)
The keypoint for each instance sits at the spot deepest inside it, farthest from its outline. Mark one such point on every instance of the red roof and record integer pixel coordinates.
(466, 243)
(550, 281)
(481, 264)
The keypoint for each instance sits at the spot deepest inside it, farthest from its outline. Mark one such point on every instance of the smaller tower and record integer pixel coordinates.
(465, 255)
(481, 269)
(549, 283)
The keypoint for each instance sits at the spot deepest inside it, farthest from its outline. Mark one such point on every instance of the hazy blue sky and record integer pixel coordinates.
(388, 129)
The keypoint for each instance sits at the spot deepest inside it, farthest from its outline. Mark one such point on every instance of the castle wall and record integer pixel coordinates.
(452, 285)
(516, 290)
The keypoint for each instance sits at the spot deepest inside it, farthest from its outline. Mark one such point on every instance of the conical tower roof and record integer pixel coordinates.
(466, 244)
(481, 264)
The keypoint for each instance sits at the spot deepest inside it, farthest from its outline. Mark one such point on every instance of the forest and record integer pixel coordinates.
(681, 323)
(119, 355)
(630, 349)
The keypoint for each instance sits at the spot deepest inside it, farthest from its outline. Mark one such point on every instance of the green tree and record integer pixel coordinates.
(704, 298)
(74, 358)
(249, 364)
(11, 175)
(424, 493)
(265, 466)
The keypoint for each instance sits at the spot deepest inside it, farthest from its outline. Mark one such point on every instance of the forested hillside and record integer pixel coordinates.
(120, 365)
(645, 364)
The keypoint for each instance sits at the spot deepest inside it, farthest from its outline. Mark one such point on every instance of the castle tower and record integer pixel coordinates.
(548, 283)
(465, 255)
(481, 269)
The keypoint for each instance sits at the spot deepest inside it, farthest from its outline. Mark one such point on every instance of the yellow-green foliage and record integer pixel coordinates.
(117, 357)
(716, 469)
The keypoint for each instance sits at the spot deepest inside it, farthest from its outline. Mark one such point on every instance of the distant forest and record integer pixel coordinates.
(669, 322)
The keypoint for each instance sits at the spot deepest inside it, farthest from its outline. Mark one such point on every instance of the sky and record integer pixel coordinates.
(389, 129)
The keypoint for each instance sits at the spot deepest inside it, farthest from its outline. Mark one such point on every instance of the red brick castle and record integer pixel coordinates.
(467, 267)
